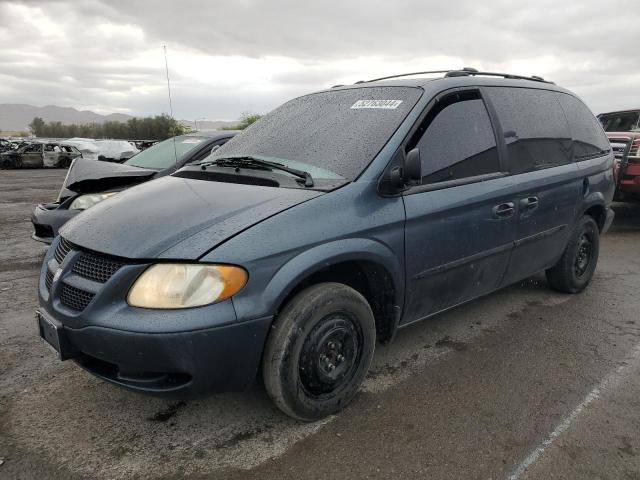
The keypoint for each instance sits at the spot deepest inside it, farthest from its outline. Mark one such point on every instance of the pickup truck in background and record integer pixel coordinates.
(623, 130)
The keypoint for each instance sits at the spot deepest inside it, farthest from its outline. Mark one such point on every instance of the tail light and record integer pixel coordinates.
(634, 151)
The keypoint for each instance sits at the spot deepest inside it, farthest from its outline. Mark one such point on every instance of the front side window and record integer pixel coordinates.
(33, 148)
(534, 126)
(458, 142)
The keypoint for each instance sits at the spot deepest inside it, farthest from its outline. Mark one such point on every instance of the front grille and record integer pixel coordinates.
(48, 280)
(62, 250)
(74, 298)
(618, 149)
(97, 268)
(87, 265)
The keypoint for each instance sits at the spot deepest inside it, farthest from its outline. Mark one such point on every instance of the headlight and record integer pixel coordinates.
(175, 285)
(86, 201)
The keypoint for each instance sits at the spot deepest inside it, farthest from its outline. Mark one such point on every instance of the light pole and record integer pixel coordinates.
(195, 122)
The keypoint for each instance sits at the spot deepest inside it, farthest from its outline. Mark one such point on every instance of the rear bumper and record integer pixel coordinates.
(181, 364)
(608, 220)
(47, 219)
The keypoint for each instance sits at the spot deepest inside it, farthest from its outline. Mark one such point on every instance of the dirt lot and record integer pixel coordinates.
(525, 383)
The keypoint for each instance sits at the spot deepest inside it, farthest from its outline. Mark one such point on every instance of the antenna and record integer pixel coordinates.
(166, 67)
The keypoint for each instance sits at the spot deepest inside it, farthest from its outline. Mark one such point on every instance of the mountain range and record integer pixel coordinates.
(18, 116)
(15, 117)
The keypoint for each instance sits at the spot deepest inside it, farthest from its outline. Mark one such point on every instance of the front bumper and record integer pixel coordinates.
(47, 219)
(179, 353)
(180, 364)
(630, 182)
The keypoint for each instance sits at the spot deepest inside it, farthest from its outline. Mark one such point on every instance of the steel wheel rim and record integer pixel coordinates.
(583, 257)
(330, 355)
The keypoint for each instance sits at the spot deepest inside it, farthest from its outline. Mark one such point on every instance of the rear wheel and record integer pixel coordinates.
(319, 351)
(576, 267)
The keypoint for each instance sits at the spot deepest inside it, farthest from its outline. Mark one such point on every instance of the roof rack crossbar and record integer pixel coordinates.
(467, 71)
(403, 75)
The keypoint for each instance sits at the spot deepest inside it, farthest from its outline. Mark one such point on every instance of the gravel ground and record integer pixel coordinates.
(524, 383)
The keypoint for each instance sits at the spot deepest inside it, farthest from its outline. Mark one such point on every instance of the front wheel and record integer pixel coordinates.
(319, 351)
(576, 267)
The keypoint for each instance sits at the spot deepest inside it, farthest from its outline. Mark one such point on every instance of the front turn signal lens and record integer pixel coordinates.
(177, 285)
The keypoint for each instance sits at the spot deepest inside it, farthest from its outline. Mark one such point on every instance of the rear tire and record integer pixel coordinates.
(576, 267)
(319, 351)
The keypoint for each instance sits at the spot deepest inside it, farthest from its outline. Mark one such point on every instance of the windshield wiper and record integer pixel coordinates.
(253, 162)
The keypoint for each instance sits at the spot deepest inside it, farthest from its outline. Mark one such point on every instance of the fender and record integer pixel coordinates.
(322, 256)
(598, 184)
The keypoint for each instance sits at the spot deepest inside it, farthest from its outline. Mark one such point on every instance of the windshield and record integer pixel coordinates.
(163, 155)
(620, 122)
(332, 135)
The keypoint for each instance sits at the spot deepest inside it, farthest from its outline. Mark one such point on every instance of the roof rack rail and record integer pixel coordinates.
(464, 72)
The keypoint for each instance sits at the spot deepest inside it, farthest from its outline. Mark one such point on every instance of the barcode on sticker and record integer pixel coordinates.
(384, 104)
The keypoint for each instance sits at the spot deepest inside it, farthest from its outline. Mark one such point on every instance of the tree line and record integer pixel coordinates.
(159, 127)
(246, 119)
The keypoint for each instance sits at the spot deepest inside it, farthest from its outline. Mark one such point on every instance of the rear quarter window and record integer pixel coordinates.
(589, 138)
(534, 126)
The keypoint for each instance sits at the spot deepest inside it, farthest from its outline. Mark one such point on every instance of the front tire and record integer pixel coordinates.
(576, 267)
(319, 351)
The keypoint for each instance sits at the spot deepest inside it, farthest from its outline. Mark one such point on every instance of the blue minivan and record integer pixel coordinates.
(337, 219)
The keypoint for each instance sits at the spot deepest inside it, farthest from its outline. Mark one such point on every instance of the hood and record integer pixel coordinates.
(90, 176)
(177, 218)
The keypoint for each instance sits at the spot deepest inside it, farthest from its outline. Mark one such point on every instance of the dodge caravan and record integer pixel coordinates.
(337, 219)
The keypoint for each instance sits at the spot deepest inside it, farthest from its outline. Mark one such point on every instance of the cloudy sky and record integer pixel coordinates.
(246, 55)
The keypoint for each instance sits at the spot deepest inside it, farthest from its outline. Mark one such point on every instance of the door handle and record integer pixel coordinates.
(529, 203)
(504, 210)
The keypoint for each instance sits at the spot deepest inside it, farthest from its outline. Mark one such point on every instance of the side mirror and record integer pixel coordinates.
(409, 173)
(413, 167)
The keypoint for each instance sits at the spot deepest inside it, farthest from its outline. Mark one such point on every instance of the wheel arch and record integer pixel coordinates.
(595, 207)
(368, 266)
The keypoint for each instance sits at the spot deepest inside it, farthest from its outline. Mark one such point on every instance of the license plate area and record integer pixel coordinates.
(54, 336)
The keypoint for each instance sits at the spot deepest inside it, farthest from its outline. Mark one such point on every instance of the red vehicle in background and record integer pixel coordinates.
(623, 130)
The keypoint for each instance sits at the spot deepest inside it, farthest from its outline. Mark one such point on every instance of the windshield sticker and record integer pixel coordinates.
(383, 104)
(191, 140)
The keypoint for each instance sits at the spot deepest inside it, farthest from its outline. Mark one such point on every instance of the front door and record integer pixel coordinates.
(32, 156)
(461, 222)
